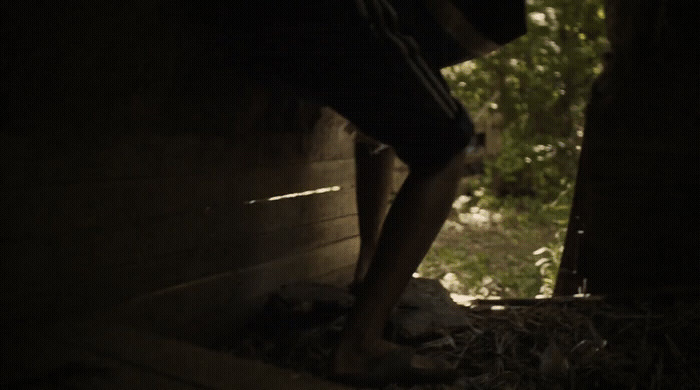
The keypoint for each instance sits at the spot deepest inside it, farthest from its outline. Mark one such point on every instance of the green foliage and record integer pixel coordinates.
(539, 84)
(516, 257)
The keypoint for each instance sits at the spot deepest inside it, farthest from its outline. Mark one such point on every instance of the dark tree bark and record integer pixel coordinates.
(635, 221)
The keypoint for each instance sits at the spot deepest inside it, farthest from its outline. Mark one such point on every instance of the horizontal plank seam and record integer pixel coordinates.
(127, 179)
(115, 180)
(150, 370)
(234, 272)
(325, 244)
(287, 227)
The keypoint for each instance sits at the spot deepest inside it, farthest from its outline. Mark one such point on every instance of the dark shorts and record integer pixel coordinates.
(328, 53)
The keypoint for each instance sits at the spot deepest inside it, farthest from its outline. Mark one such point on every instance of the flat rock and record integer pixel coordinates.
(305, 295)
(426, 309)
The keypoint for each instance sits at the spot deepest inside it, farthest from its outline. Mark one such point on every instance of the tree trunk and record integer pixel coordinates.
(634, 226)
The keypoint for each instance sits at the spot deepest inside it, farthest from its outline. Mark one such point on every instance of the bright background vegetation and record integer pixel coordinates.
(505, 236)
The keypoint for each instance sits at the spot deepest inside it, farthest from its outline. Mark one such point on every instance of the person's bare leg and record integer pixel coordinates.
(374, 172)
(414, 219)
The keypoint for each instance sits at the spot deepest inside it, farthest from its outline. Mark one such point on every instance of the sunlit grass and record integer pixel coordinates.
(499, 248)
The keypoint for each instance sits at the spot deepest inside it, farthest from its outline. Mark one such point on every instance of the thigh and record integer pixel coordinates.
(331, 53)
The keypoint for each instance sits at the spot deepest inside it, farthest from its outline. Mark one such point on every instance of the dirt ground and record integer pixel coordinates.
(567, 343)
(502, 254)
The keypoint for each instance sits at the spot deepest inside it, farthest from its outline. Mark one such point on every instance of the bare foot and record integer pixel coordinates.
(379, 362)
(353, 357)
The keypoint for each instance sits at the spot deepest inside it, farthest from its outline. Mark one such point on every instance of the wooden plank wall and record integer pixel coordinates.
(131, 148)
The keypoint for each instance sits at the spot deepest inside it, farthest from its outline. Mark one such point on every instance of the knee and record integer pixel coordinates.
(457, 163)
(450, 164)
(438, 147)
